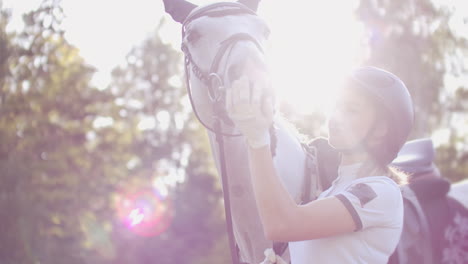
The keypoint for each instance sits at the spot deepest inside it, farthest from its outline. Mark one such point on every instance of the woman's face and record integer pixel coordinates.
(351, 119)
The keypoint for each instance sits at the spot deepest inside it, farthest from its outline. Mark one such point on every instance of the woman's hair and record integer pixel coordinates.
(384, 152)
(393, 105)
(372, 168)
(399, 176)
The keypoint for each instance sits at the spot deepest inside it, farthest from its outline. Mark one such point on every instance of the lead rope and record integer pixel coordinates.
(225, 182)
(224, 179)
(218, 108)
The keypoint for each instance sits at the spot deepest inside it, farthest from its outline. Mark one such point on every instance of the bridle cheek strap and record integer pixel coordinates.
(215, 79)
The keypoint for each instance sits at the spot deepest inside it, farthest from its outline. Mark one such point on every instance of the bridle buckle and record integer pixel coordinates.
(215, 87)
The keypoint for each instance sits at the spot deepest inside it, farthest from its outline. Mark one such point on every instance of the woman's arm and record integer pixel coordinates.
(282, 218)
(249, 105)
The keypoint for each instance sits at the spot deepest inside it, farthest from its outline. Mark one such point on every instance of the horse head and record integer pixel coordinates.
(217, 41)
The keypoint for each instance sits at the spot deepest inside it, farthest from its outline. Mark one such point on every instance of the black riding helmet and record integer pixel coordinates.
(394, 100)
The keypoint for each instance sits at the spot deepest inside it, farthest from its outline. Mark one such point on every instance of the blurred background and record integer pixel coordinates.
(101, 158)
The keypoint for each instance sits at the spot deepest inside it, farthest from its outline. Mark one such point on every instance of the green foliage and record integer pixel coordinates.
(70, 151)
(152, 75)
(453, 158)
(44, 82)
(415, 41)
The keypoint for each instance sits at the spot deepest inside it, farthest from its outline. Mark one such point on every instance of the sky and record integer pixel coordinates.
(103, 30)
(307, 37)
(106, 30)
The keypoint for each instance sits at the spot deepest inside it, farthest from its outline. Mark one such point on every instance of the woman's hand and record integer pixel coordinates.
(251, 108)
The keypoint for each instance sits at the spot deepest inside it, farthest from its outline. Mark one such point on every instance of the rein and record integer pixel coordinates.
(214, 81)
(215, 85)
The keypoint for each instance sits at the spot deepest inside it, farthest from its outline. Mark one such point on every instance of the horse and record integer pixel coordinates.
(216, 40)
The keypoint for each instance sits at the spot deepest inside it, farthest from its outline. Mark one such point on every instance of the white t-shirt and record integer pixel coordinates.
(376, 205)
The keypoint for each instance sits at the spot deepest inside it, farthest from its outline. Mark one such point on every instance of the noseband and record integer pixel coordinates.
(213, 79)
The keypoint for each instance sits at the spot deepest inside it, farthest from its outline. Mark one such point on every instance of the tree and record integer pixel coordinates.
(415, 41)
(70, 150)
(44, 121)
(153, 75)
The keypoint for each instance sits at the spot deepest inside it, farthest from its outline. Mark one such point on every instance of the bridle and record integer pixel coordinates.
(214, 79)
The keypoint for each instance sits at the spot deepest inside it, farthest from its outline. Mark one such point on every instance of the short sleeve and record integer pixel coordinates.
(373, 203)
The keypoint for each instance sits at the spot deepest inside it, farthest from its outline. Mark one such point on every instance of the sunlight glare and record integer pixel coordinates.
(103, 121)
(308, 60)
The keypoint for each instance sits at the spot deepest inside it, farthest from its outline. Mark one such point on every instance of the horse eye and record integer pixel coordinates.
(193, 36)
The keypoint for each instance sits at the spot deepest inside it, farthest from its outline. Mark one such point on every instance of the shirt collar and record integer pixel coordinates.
(348, 172)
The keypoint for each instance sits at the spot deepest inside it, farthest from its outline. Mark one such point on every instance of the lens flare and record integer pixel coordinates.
(145, 213)
(136, 217)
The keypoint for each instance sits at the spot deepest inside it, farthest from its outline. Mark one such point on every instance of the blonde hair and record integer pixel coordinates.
(372, 168)
(400, 177)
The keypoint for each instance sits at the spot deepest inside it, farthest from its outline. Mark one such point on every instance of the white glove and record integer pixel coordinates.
(272, 258)
(251, 108)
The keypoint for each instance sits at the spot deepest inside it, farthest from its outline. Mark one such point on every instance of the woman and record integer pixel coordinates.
(359, 218)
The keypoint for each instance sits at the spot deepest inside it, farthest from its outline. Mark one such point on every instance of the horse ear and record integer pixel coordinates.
(178, 9)
(252, 4)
